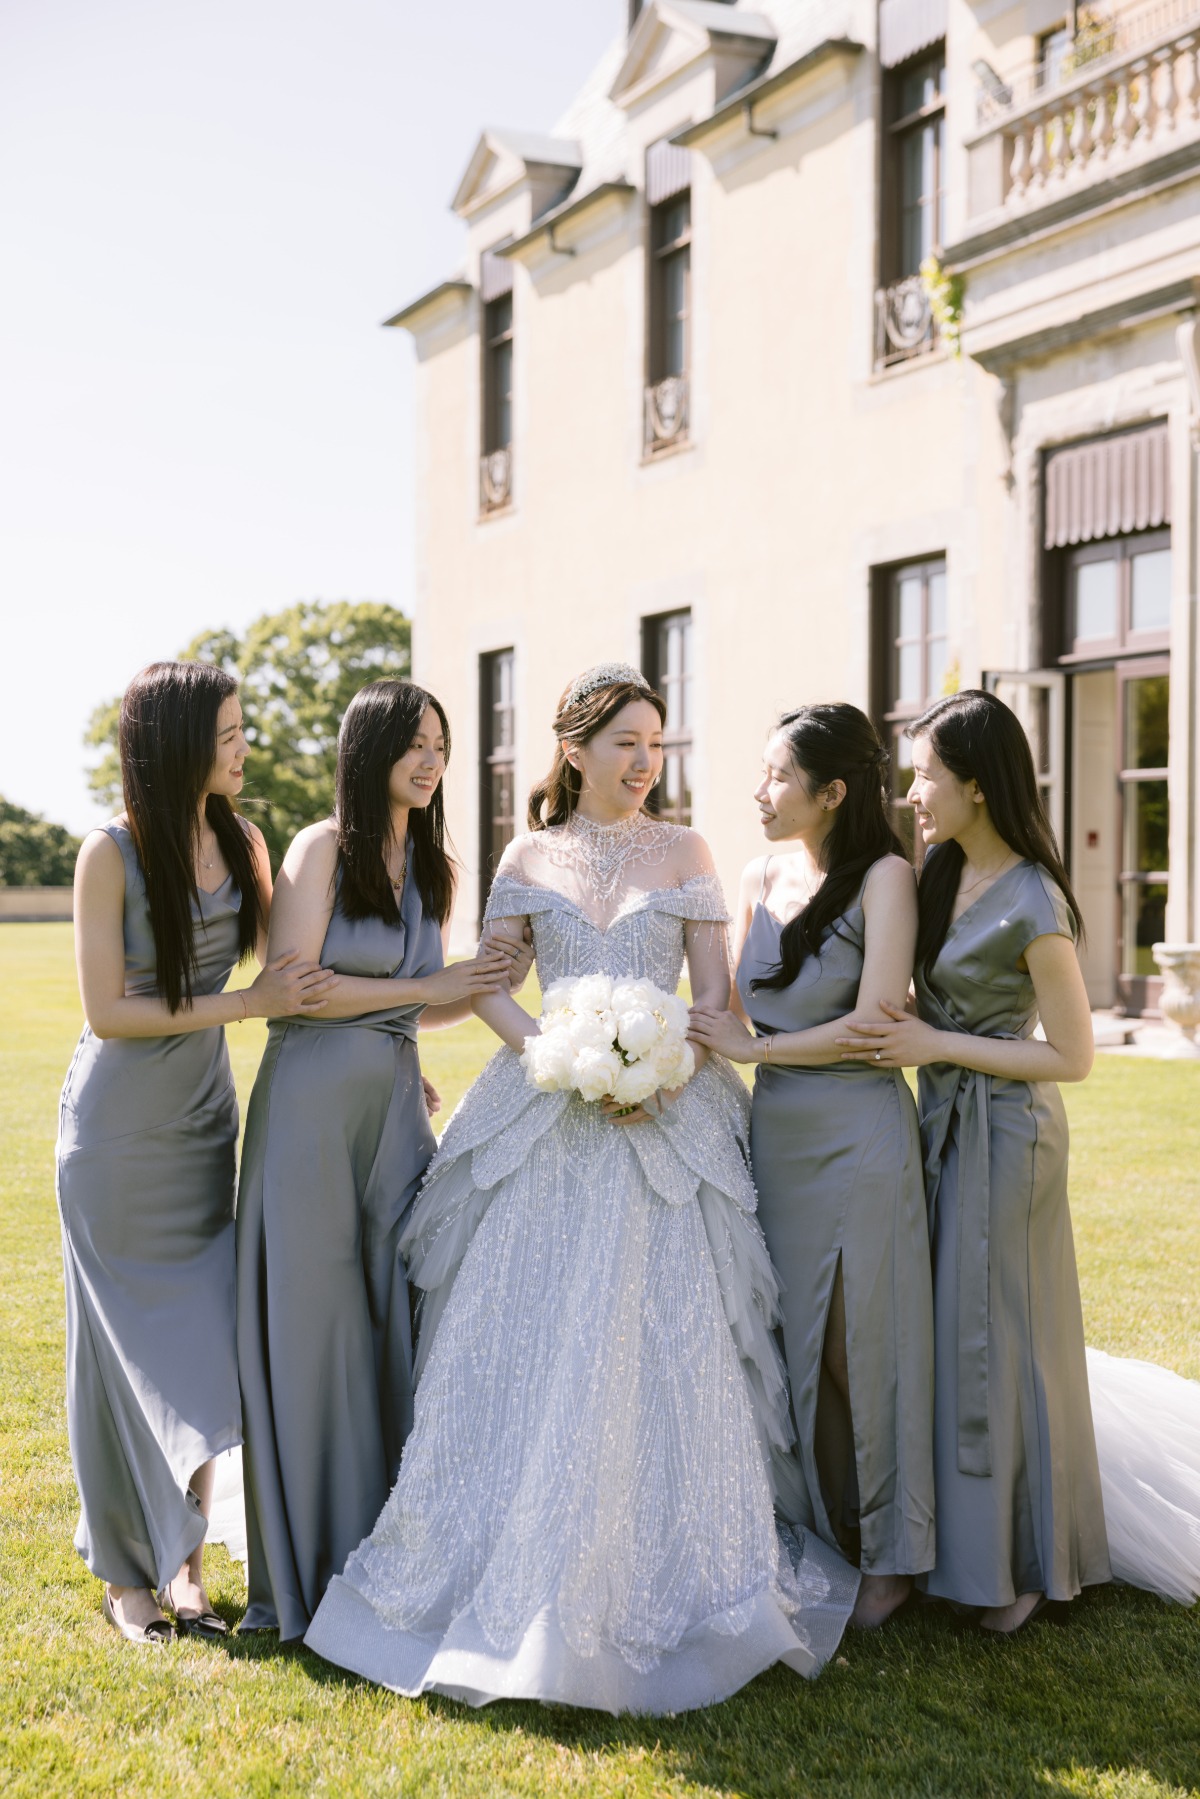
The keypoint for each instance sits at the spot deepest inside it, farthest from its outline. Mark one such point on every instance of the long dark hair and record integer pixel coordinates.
(168, 742)
(377, 729)
(979, 739)
(556, 796)
(826, 744)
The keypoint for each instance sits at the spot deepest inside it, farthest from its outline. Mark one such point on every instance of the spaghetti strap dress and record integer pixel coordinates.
(1019, 1503)
(145, 1179)
(836, 1157)
(337, 1139)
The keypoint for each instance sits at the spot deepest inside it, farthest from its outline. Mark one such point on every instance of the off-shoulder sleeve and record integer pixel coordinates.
(1043, 910)
(514, 893)
(699, 899)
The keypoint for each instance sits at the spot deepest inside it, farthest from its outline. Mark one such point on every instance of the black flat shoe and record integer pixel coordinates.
(154, 1635)
(206, 1625)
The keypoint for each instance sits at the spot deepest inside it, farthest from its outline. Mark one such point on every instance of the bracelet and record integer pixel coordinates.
(768, 1046)
(241, 993)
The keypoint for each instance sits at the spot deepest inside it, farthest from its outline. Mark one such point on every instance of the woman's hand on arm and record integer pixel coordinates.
(498, 1010)
(289, 984)
(1066, 1054)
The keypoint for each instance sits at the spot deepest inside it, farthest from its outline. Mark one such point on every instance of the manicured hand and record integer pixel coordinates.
(723, 1032)
(902, 1042)
(520, 955)
(433, 1099)
(486, 972)
(659, 1102)
(287, 986)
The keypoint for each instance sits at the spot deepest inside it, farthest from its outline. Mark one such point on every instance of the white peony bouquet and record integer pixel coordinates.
(602, 1038)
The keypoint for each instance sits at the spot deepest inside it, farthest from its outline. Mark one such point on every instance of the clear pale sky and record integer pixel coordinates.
(205, 212)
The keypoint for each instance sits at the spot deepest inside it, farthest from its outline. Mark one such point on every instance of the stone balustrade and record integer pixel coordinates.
(1117, 110)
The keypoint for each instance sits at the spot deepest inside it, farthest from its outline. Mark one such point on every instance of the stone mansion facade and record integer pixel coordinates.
(836, 349)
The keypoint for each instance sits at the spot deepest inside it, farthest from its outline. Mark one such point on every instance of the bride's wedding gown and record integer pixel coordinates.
(584, 1511)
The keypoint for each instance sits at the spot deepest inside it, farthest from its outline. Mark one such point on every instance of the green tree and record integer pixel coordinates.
(33, 852)
(297, 670)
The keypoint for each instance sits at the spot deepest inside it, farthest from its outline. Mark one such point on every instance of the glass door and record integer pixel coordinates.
(1143, 690)
(1038, 697)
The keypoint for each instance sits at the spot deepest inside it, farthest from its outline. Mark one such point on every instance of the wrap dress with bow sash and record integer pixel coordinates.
(337, 1139)
(1019, 1506)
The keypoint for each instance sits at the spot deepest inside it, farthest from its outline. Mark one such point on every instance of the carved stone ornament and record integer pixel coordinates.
(1179, 964)
(495, 479)
(908, 316)
(666, 411)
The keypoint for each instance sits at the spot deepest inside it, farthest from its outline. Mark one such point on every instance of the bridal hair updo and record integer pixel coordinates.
(585, 707)
(978, 738)
(827, 744)
(167, 738)
(377, 729)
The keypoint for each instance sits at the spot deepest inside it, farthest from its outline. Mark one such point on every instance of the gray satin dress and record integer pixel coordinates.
(337, 1139)
(1018, 1488)
(146, 1179)
(836, 1158)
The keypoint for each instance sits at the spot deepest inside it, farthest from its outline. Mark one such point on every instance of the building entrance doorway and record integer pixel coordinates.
(1099, 738)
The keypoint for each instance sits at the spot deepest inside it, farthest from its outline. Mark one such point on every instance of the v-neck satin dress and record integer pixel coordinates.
(146, 1178)
(836, 1157)
(337, 1139)
(1019, 1505)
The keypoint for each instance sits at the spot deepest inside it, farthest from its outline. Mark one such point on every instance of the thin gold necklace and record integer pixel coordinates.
(992, 874)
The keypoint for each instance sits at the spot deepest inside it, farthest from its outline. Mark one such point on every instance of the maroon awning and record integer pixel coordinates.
(1108, 487)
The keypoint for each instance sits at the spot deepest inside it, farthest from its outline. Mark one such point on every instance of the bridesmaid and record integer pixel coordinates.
(168, 898)
(1020, 1519)
(825, 936)
(337, 1139)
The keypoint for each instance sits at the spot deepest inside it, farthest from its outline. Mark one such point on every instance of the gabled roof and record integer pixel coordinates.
(671, 33)
(502, 157)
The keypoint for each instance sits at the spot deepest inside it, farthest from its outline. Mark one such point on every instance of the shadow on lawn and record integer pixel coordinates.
(925, 1707)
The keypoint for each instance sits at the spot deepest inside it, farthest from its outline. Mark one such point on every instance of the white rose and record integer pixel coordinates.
(595, 1072)
(637, 1031)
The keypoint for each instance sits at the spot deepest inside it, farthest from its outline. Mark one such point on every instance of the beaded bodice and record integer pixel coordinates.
(611, 899)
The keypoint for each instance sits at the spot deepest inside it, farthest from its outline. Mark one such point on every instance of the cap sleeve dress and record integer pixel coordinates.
(337, 1139)
(837, 1162)
(146, 1172)
(1018, 1489)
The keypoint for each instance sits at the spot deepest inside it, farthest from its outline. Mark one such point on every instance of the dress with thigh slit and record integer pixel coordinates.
(337, 1139)
(836, 1157)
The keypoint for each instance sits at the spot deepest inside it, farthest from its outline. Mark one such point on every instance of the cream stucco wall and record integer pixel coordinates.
(806, 469)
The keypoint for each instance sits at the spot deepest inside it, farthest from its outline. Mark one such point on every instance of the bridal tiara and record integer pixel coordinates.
(604, 674)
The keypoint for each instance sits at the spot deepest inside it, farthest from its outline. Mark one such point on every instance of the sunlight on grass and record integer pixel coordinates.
(1106, 1708)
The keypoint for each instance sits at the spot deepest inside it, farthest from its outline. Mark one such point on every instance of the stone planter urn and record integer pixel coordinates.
(1180, 1002)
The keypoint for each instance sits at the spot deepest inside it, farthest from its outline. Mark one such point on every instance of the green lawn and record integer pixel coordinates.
(1108, 1706)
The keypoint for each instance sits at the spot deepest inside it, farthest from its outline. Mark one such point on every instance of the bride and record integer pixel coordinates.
(584, 1511)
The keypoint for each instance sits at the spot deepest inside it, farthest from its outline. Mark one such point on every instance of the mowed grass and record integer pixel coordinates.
(1108, 1706)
